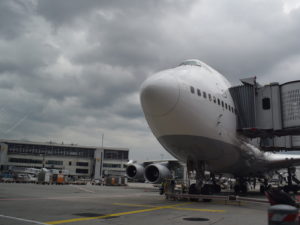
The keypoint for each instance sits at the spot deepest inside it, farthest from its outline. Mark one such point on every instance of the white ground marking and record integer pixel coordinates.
(20, 219)
(83, 189)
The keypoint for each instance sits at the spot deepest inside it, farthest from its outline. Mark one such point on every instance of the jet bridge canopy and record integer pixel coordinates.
(267, 111)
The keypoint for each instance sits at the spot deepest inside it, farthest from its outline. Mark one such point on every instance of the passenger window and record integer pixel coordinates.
(225, 105)
(198, 92)
(204, 94)
(229, 108)
(222, 104)
(209, 97)
(266, 104)
(215, 100)
(219, 102)
(192, 90)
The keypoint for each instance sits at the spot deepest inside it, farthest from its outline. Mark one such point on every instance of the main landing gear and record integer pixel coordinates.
(264, 186)
(290, 187)
(205, 185)
(241, 186)
(206, 189)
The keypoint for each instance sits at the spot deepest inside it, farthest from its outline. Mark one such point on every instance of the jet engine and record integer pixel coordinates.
(135, 171)
(155, 173)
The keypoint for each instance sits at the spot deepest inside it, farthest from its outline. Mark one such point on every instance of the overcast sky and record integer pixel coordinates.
(70, 71)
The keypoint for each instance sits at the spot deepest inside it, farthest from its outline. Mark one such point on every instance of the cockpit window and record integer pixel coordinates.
(191, 62)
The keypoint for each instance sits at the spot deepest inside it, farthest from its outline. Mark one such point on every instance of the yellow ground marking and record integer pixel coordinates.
(199, 210)
(135, 205)
(112, 215)
(173, 207)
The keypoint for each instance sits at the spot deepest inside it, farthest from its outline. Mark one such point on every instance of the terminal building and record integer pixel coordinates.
(77, 161)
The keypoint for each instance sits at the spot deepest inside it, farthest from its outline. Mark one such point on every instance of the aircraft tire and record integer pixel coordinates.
(217, 188)
(193, 191)
(244, 189)
(237, 189)
(262, 189)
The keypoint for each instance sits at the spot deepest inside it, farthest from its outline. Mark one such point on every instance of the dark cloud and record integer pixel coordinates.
(71, 70)
(13, 18)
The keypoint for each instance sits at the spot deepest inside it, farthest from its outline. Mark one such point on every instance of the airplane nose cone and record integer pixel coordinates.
(159, 95)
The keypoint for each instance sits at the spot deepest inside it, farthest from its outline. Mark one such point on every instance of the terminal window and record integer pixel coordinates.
(54, 162)
(115, 154)
(82, 171)
(22, 160)
(49, 150)
(82, 164)
(111, 165)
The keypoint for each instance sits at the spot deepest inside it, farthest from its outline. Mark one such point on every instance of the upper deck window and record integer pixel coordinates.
(191, 62)
(209, 97)
(192, 89)
(198, 92)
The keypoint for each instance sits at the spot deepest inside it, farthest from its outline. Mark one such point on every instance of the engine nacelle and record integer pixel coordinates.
(135, 171)
(156, 173)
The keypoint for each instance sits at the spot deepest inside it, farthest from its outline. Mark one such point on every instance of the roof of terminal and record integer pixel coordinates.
(50, 143)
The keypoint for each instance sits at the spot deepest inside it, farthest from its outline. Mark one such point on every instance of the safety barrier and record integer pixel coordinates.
(225, 198)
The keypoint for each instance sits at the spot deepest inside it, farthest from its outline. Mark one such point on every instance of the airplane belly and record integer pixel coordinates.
(219, 156)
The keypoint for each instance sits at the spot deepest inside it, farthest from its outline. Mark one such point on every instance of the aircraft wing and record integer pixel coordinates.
(279, 161)
(171, 163)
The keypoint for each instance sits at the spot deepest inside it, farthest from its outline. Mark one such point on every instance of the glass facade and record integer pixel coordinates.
(54, 162)
(111, 165)
(29, 161)
(50, 150)
(85, 171)
(82, 164)
(115, 154)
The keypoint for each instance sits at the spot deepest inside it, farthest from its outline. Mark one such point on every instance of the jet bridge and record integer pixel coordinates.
(268, 112)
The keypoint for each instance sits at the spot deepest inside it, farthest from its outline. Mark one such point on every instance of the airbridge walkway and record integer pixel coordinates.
(269, 114)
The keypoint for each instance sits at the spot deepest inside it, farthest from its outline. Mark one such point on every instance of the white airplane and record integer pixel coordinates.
(192, 114)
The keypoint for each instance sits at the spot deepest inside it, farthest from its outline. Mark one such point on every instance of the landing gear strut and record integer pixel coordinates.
(200, 169)
(203, 185)
(241, 187)
(290, 187)
(265, 186)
